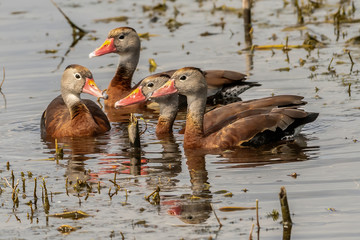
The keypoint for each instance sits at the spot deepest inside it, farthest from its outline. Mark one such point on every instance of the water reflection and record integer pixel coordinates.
(77, 34)
(79, 150)
(166, 168)
(123, 114)
(194, 208)
(280, 152)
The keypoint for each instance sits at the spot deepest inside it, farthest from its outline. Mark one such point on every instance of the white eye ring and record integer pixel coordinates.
(77, 76)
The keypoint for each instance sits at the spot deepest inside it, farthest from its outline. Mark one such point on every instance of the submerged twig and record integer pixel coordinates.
(285, 208)
(300, 18)
(329, 67)
(78, 34)
(352, 62)
(143, 131)
(59, 151)
(220, 225)
(14, 195)
(1, 87)
(134, 135)
(72, 24)
(3, 78)
(246, 4)
(67, 185)
(12, 179)
(257, 214)
(46, 199)
(251, 231)
(155, 196)
(280, 46)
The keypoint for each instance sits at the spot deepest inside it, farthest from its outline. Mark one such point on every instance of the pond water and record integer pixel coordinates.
(36, 44)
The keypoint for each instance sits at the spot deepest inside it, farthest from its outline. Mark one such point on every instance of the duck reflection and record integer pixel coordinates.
(279, 152)
(79, 150)
(166, 167)
(195, 208)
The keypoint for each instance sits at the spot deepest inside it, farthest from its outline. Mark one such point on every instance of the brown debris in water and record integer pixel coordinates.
(161, 7)
(71, 214)
(232, 209)
(172, 24)
(152, 65)
(274, 214)
(294, 175)
(66, 229)
(112, 19)
(155, 200)
(227, 9)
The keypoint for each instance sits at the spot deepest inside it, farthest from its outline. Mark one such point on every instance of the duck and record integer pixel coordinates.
(224, 86)
(68, 115)
(213, 119)
(258, 126)
(169, 104)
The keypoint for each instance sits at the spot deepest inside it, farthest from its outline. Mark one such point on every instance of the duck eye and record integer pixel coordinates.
(150, 84)
(77, 75)
(183, 77)
(121, 36)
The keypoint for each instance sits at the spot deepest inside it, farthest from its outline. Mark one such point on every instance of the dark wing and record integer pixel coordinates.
(261, 129)
(226, 114)
(219, 78)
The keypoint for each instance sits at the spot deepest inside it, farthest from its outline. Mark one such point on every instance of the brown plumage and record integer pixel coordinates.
(69, 116)
(258, 122)
(126, 43)
(214, 119)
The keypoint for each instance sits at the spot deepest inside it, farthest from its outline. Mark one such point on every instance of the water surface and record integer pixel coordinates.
(323, 198)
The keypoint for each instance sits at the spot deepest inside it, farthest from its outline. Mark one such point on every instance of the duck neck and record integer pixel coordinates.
(73, 103)
(194, 120)
(168, 111)
(125, 70)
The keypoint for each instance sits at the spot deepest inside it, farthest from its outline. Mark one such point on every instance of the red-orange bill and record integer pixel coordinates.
(166, 89)
(135, 96)
(91, 88)
(107, 47)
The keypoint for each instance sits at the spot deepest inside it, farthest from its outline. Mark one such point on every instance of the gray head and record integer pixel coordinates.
(123, 41)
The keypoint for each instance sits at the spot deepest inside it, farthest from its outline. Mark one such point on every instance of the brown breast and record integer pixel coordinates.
(87, 120)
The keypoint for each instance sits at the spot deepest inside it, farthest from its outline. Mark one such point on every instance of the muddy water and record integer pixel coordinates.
(324, 198)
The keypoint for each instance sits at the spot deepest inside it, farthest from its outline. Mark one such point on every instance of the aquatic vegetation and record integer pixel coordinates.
(152, 65)
(112, 19)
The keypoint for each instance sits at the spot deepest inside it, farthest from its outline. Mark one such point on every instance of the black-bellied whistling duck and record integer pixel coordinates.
(168, 104)
(260, 126)
(223, 86)
(213, 119)
(68, 115)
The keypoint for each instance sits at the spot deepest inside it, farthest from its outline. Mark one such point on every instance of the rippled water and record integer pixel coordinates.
(323, 198)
